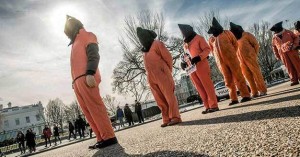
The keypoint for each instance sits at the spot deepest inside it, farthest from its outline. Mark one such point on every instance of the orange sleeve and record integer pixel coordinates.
(91, 38)
(232, 40)
(204, 47)
(210, 42)
(165, 54)
(254, 43)
(296, 40)
(275, 50)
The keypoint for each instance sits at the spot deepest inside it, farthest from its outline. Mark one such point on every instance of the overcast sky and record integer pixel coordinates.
(34, 57)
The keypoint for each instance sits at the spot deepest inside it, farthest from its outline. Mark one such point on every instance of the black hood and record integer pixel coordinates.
(187, 32)
(277, 27)
(146, 38)
(72, 28)
(237, 30)
(297, 25)
(216, 29)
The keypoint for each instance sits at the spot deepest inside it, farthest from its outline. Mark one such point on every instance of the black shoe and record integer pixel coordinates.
(104, 143)
(205, 111)
(233, 102)
(245, 99)
(294, 83)
(213, 110)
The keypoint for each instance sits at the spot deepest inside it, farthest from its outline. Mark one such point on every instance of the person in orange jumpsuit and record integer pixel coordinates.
(297, 32)
(86, 79)
(248, 49)
(199, 51)
(224, 47)
(158, 64)
(284, 43)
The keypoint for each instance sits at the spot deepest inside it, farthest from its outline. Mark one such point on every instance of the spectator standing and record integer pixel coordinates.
(47, 134)
(71, 130)
(128, 115)
(56, 134)
(138, 111)
(120, 116)
(30, 140)
(21, 141)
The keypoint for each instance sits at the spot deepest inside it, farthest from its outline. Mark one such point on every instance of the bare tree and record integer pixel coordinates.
(72, 111)
(54, 112)
(111, 104)
(130, 75)
(266, 56)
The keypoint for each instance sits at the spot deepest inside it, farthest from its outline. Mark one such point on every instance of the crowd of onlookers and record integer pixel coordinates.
(127, 114)
(76, 128)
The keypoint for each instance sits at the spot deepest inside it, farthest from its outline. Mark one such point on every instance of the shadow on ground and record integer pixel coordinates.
(271, 101)
(293, 111)
(118, 151)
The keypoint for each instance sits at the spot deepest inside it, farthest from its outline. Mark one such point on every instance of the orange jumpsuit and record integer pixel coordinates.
(89, 98)
(158, 64)
(247, 53)
(224, 48)
(201, 78)
(290, 58)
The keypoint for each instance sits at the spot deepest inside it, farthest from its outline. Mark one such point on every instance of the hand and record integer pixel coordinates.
(90, 81)
(288, 46)
(183, 65)
(195, 60)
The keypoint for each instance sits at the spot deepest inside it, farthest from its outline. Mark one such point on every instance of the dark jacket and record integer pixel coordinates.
(30, 139)
(120, 113)
(55, 131)
(20, 138)
(138, 107)
(127, 111)
(71, 127)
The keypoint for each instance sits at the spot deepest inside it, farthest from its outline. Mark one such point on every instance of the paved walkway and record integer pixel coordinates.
(266, 126)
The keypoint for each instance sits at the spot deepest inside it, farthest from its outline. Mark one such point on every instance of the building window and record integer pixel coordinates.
(17, 121)
(6, 124)
(27, 120)
(38, 118)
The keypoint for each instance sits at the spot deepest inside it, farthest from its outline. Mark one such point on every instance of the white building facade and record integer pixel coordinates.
(17, 118)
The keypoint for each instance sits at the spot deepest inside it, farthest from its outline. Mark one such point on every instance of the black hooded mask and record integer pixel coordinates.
(277, 28)
(187, 32)
(72, 28)
(146, 38)
(297, 25)
(216, 29)
(237, 30)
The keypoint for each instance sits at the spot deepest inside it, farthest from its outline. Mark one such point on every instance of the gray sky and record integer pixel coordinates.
(34, 57)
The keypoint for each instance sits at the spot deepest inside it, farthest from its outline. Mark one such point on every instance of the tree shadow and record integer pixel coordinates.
(267, 102)
(293, 111)
(118, 151)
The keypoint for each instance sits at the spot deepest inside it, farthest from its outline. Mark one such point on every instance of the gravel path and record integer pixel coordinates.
(266, 126)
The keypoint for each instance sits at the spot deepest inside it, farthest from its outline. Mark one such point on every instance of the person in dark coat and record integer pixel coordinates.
(128, 115)
(120, 116)
(138, 111)
(30, 140)
(78, 127)
(81, 126)
(56, 134)
(21, 141)
(47, 134)
(71, 130)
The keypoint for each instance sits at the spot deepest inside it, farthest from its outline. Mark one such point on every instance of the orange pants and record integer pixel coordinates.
(94, 109)
(233, 75)
(291, 61)
(204, 85)
(254, 77)
(163, 92)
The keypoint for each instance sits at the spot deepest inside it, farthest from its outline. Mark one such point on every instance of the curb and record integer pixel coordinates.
(85, 139)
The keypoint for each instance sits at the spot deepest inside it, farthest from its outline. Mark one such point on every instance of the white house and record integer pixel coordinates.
(15, 118)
